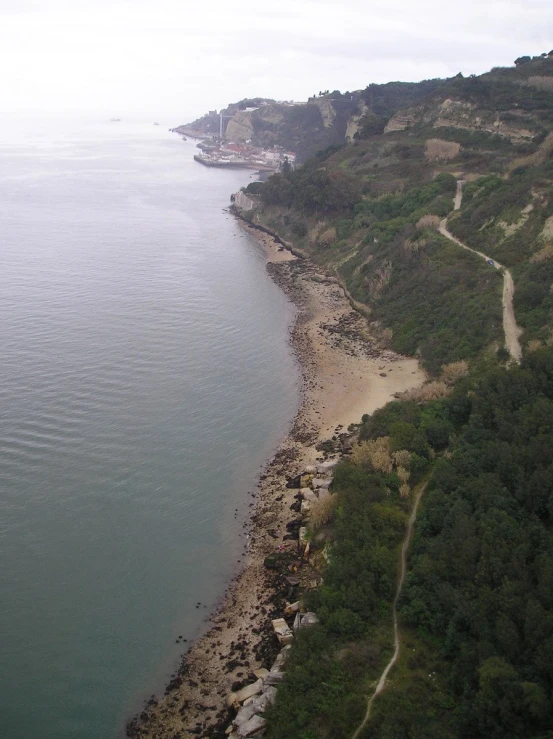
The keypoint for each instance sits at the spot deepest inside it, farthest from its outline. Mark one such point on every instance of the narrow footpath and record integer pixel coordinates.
(510, 328)
(512, 333)
(397, 643)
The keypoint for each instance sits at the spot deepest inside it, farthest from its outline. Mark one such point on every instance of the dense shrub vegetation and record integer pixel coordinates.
(480, 588)
(477, 607)
(331, 664)
(323, 692)
(440, 302)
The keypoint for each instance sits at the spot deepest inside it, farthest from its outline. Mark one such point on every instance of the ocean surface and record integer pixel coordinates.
(145, 377)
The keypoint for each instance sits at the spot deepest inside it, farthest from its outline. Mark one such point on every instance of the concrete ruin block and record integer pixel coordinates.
(321, 482)
(244, 714)
(310, 469)
(308, 619)
(273, 678)
(292, 608)
(325, 467)
(280, 660)
(282, 631)
(305, 507)
(252, 727)
(266, 699)
(247, 692)
(308, 494)
(305, 481)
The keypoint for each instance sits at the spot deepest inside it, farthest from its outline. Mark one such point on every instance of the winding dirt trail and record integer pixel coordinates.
(397, 643)
(512, 333)
(511, 330)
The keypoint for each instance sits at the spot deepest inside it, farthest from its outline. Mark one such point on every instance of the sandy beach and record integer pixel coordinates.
(345, 375)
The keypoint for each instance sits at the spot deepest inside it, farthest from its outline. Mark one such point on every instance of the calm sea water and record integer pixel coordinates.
(145, 375)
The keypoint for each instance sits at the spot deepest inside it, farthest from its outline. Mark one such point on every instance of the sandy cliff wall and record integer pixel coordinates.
(466, 115)
(240, 128)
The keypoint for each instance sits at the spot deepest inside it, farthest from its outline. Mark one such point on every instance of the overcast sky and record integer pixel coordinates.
(172, 60)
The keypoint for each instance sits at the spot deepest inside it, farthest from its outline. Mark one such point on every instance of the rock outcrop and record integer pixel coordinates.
(515, 125)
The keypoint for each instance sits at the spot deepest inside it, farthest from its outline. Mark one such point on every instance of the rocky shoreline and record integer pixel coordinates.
(344, 374)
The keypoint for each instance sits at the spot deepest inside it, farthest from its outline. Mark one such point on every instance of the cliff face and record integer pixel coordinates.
(240, 128)
(300, 127)
(514, 124)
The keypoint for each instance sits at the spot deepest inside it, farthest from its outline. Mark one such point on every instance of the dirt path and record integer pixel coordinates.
(510, 328)
(458, 199)
(397, 643)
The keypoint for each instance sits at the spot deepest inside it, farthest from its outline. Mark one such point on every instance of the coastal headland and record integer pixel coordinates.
(345, 374)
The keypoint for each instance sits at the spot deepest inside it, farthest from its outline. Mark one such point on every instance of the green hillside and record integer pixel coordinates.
(476, 610)
(362, 210)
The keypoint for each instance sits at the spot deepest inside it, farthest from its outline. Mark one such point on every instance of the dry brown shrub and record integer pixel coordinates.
(430, 391)
(402, 458)
(380, 279)
(403, 475)
(454, 371)
(440, 149)
(315, 231)
(547, 231)
(373, 453)
(327, 237)
(534, 345)
(321, 511)
(541, 83)
(404, 490)
(428, 221)
(386, 337)
(412, 247)
(544, 254)
(543, 152)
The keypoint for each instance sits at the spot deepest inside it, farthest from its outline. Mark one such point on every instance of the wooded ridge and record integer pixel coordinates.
(476, 610)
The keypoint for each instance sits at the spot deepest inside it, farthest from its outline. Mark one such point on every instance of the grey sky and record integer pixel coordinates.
(174, 59)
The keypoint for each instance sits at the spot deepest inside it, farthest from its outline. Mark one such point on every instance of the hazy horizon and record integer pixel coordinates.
(174, 61)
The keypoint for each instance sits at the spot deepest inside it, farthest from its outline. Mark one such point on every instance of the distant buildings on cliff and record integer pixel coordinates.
(231, 154)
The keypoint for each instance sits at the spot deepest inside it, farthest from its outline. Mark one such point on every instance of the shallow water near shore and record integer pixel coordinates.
(145, 378)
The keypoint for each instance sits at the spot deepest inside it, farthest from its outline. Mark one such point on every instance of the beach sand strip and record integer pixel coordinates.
(344, 375)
